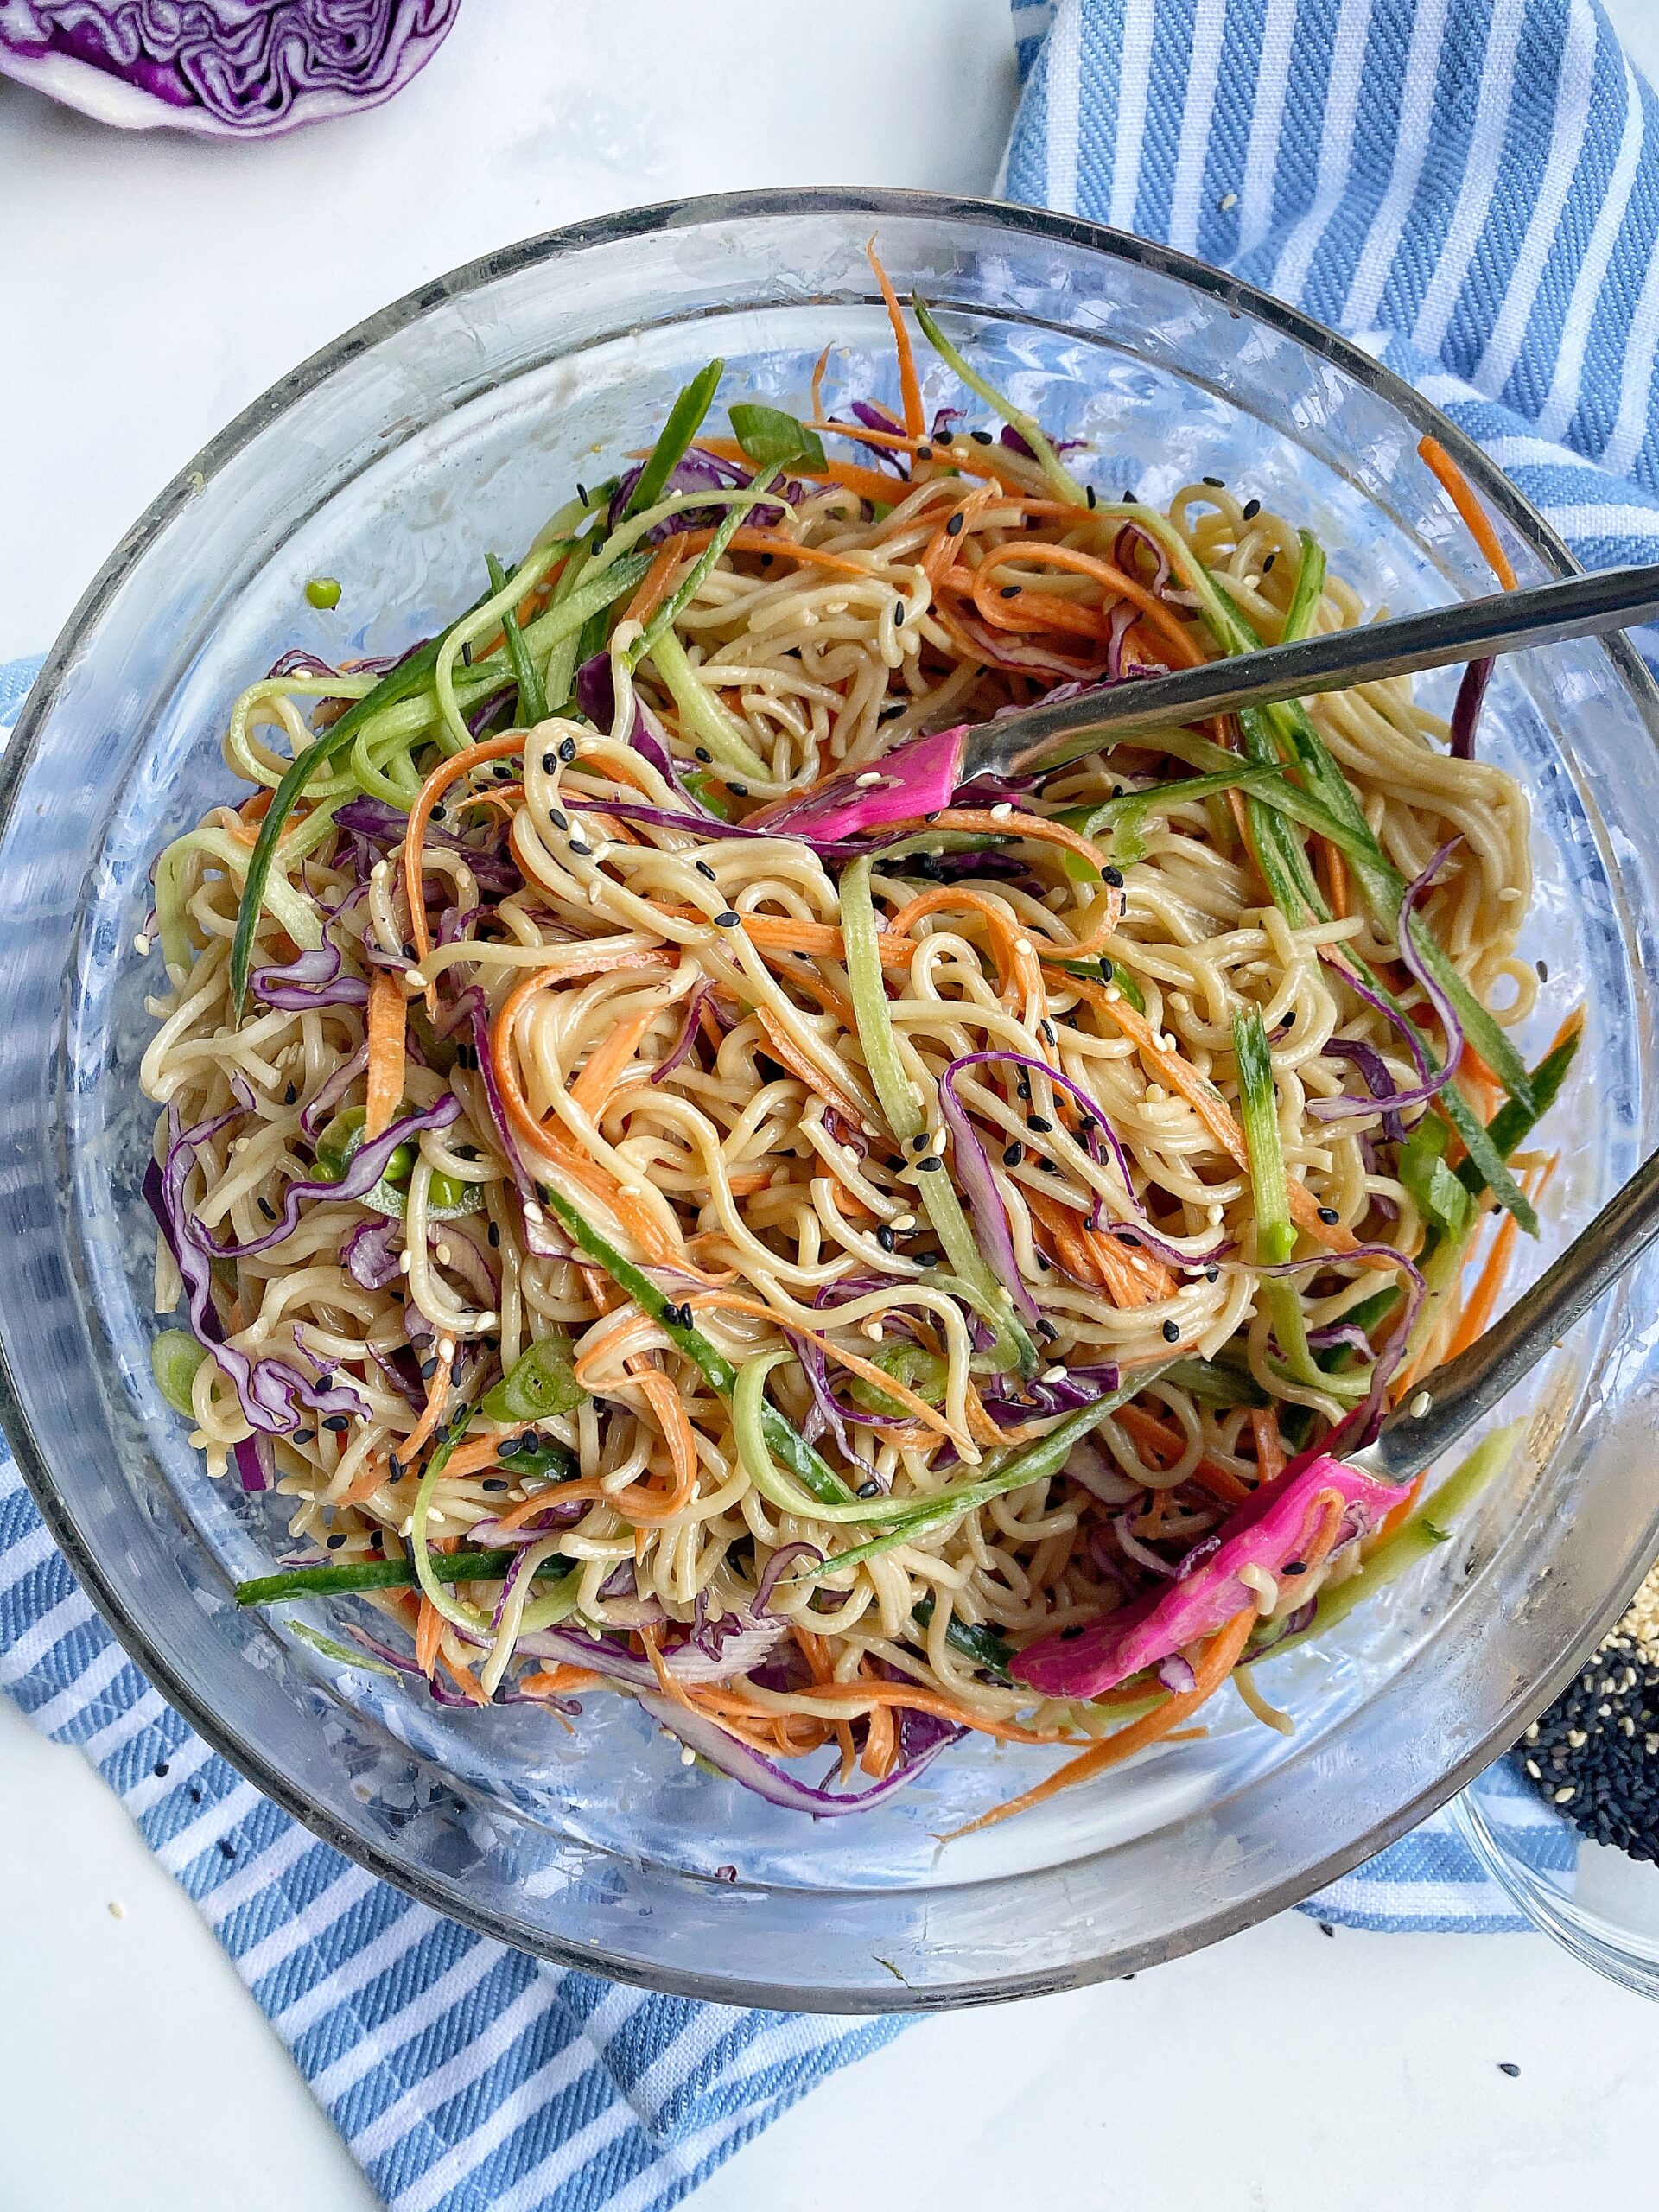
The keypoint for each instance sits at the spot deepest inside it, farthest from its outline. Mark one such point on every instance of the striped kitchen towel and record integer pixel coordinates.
(1470, 190)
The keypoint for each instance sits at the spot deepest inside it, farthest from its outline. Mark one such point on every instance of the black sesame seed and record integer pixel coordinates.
(1044, 1262)
(767, 560)
(337, 1540)
(226, 1847)
(1088, 493)
(920, 1143)
(1269, 562)
(1212, 1274)
(931, 1165)
(898, 616)
(738, 791)
(582, 851)
(1022, 1087)
(981, 437)
(1252, 508)
(1071, 1634)
(1543, 971)
(702, 754)
(492, 1483)
(160, 1770)
(1049, 1167)
(567, 750)
(195, 1795)
(467, 655)
(1009, 591)
(267, 1209)
(559, 821)
(1047, 1031)
(885, 1238)
(581, 496)
(1172, 1332)
(394, 1466)
(1295, 1567)
(336, 1424)
(1040, 1122)
(495, 1234)
(1329, 1216)
(429, 1369)
(871, 1489)
(1217, 483)
(304, 1435)
(1508, 2066)
(728, 920)
(1014, 1154)
(1325, 1929)
(290, 1094)
(703, 868)
(437, 813)
(953, 528)
(1114, 876)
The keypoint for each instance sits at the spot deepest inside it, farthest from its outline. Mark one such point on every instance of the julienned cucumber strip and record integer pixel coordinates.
(1027, 425)
(684, 421)
(533, 701)
(1033, 1463)
(982, 1645)
(339, 1577)
(1513, 1121)
(792, 1447)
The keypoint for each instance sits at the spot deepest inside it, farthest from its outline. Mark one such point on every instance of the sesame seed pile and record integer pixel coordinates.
(1595, 1753)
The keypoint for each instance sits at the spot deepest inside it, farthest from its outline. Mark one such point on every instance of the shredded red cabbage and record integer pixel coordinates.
(310, 980)
(1332, 1110)
(369, 1255)
(363, 1171)
(1465, 712)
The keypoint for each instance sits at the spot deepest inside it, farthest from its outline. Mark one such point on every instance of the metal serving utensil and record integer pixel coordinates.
(1455, 1397)
(1336, 660)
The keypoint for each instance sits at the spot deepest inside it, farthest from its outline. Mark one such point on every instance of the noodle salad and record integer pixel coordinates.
(848, 1260)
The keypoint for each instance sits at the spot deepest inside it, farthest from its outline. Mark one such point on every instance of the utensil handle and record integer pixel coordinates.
(1473, 629)
(1470, 1385)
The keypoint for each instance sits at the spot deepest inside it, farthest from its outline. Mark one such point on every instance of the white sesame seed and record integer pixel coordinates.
(488, 1320)
(402, 1263)
(117, 1910)
(868, 780)
(872, 1328)
(1565, 1796)
(1053, 1374)
(1022, 944)
(532, 1212)
(1113, 995)
(1509, 895)
(141, 944)
(1420, 1405)
(1170, 1044)
(416, 979)
(444, 1255)
(1227, 202)
(1535, 1770)
(1002, 811)
(939, 1141)
(904, 1220)
(688, 1757)
(446, 1347)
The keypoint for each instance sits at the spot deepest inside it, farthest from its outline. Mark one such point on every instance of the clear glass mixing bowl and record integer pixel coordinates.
(453, 422)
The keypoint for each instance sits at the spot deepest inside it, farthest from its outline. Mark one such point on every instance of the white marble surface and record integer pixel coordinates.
(154, 286)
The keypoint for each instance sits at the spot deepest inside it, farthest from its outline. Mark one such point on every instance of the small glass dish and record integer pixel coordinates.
(456, 420)
(1600, 1903)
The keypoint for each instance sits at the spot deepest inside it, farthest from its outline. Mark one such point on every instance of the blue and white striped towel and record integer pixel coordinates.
(1471, 185)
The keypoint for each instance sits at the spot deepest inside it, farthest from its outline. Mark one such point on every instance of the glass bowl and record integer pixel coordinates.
(453, 421)
(1598, 1903)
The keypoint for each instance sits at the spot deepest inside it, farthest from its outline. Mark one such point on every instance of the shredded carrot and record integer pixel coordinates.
(746, 539)
(657, 583)
(1148, 1432)
(880, 1742)
(385, 1074)
(1473, 1321)
(777, 933)
(606, 1062)
(1005, 614)
(552, 1681)
(427, 1635)
(868, 483)
(364, 1482)
(1017, 971)
(1396, 1514)
(1212, 1669)
(1336, 879)
(1032, 826)
(1462, 494)
(910, 1695)
(909, 384)
(942, 546)
(817, 377)
(1269, 1451)
(642, 1502)
(561, 1494)
(436, 1391)
(420, 814)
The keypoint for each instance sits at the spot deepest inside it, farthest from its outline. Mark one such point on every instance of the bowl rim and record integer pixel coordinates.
(546, 249)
